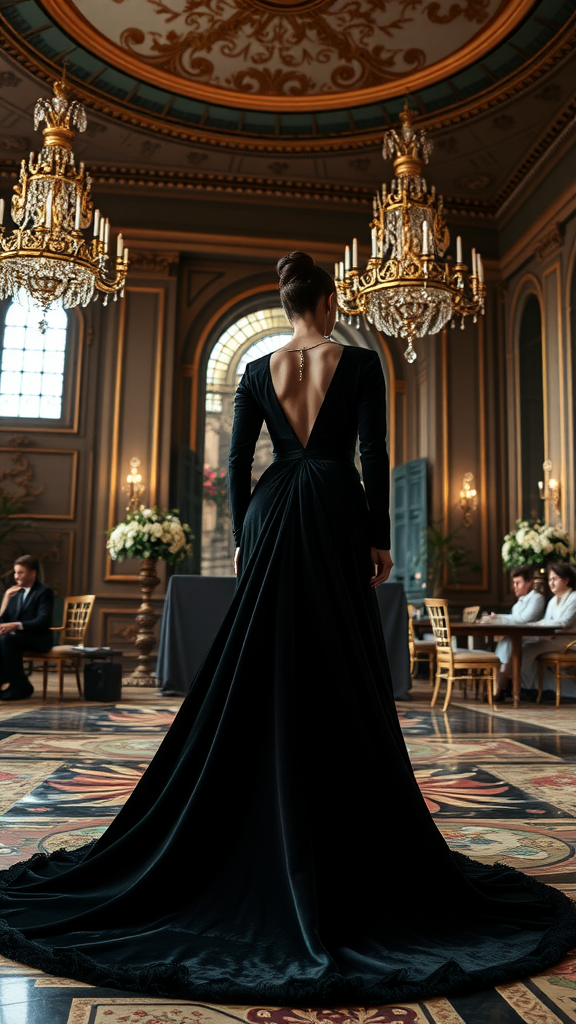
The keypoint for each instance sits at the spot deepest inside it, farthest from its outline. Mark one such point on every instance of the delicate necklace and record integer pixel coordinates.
(307, 349)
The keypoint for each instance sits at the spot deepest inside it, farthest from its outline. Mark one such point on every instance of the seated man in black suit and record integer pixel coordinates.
(25, 620)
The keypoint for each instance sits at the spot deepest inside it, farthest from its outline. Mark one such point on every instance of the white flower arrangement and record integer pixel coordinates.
(535, 544)
(149, 533)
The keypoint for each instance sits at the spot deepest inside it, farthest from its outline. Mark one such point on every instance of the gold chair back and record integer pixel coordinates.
(76, 616)
(438, 613)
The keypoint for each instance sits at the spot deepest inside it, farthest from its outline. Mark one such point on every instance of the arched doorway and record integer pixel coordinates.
(250, 336)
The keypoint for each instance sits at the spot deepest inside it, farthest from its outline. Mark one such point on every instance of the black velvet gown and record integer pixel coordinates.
(278, 849)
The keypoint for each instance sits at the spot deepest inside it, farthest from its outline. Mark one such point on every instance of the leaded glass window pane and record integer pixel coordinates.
(32, 366)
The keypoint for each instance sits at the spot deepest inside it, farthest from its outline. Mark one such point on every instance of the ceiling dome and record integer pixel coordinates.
(289, 54)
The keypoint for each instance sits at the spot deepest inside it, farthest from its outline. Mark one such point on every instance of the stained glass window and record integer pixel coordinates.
(32, 366)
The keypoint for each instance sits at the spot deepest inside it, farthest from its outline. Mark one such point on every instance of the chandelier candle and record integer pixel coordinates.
(47, 257)
(411, 287)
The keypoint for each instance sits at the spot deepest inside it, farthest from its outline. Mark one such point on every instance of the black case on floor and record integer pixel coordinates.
(102, 681)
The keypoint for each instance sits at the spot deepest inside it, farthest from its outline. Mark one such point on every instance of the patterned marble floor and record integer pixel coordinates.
(501, 786)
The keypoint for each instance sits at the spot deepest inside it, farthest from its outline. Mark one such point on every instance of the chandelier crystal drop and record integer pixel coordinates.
(47, 259)
(410, 288)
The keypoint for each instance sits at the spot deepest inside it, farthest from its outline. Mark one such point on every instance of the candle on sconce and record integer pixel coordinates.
(78, 212)
(341, 270)
(374, 242)
(336, 277)
(473, 262)
(347, 258)
(102, 229)
(459, 250)
(126, 251)
(106, 234)
(425, 238)
(355, 252)
(480, 267)
(2, 207)
(96, 223)
(119, 247)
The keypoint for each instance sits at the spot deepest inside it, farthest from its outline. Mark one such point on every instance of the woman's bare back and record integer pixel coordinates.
(301, 399)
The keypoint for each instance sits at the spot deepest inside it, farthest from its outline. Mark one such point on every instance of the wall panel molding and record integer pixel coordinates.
(54, 482)
(137, 402)
(475, 457)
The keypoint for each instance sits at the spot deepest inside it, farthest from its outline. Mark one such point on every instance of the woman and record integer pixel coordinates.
(278, 849)
(560, 612)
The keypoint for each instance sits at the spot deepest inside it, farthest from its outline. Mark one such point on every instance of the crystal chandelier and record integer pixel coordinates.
(47, 257)
(409, 288)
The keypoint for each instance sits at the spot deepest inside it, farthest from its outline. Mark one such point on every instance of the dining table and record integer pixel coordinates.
(516, 632)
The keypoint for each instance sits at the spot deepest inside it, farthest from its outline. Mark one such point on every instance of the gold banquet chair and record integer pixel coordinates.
(75, 619)
(561, 662)
(420, 650)
(455, 665)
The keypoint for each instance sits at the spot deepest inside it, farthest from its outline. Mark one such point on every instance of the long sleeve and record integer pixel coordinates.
(562, 615)
(527, 609)
(248, 419)
(373, 452)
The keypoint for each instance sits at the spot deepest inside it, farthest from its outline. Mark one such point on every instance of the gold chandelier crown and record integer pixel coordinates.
(410, 146)
(410, 288)
(48, 257)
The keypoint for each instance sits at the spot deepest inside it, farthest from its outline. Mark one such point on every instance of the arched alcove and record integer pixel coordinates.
(531, 396)
(251, 333)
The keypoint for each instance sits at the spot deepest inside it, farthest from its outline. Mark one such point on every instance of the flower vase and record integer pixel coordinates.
(143, 674)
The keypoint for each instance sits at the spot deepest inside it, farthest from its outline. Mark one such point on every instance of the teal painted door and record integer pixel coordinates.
(409, 522)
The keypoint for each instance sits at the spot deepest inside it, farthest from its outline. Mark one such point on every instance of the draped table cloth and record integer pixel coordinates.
(195, 607)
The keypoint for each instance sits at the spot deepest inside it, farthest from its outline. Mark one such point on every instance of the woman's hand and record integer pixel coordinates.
(236, 556)
(383, 566)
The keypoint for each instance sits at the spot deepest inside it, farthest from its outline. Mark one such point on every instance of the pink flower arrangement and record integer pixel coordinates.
(216, 487)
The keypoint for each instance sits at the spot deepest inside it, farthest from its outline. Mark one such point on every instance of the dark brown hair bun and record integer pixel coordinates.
(292, 265)
(302, 284)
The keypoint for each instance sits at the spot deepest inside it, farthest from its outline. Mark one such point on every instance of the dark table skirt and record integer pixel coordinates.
(195, 607)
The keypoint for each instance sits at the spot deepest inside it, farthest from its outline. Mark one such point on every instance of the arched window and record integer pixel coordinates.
(531, 407)
(33, 363)
(251, 336)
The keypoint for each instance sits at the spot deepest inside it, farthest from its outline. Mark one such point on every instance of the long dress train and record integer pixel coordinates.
(278, 849)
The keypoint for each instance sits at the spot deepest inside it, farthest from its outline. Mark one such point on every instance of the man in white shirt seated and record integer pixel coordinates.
(529, 607)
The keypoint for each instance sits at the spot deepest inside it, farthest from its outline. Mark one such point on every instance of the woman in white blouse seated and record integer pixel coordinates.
(529, 607)
(560, 612)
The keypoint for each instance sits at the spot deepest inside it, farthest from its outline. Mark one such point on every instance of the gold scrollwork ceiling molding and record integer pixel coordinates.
(558, 134)
(560, 47)
(549, 243)
(155, 264)
(322, 193)
(322, 56)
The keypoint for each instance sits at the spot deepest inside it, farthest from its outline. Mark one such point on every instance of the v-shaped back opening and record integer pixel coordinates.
(302, 385)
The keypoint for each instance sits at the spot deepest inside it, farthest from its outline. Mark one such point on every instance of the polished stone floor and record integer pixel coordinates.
(501, 786)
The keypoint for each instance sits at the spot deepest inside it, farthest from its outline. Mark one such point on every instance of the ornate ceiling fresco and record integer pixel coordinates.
(495, 119)
(225, 72)
(289, 54)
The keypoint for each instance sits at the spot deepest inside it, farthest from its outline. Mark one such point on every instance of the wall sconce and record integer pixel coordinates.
(468, 499)
(134, 486)
(549, 488)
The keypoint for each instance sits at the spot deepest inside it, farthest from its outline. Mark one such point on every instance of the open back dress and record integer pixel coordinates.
(278, 850)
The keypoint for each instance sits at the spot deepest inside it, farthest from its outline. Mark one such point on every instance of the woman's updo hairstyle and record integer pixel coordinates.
(565, 571)
(302, 284)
